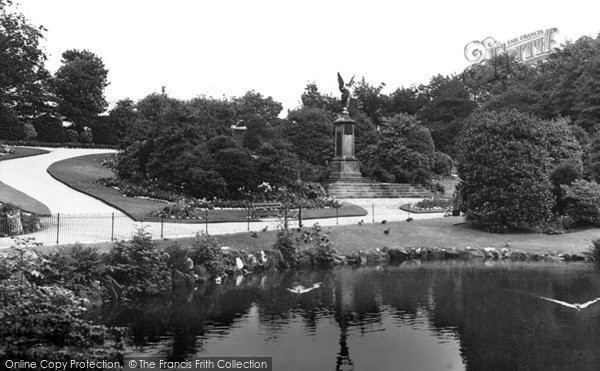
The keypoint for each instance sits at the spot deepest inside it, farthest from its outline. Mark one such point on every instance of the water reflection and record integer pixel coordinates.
(412, 317)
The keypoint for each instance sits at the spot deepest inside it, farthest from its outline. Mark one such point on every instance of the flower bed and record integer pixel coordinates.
(5, 150)
(434, 204)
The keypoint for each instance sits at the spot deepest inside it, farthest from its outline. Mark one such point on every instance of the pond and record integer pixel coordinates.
(428, 316)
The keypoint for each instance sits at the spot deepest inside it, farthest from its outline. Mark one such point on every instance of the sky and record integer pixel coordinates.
(228, 47)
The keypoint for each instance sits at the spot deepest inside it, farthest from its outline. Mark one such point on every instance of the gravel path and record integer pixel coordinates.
(29, 175)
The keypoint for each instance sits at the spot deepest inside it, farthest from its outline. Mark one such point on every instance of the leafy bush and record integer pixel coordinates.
(403, 144)
(504, 166)
(442, 164)
(287, 245)
(421, 176)
(76, 268)
(206, 251)
(179, 258)
(582, 200)
(595, 249)
(563, 174)
(47, 322)
(321, 249)
(139, 267)
(41, 321)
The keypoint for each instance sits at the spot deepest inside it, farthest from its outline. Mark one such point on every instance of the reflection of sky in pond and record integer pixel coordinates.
(435, 316)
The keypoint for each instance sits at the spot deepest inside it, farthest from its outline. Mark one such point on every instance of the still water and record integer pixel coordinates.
(430, 316)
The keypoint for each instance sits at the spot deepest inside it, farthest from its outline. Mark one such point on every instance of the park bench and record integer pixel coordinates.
(261, 209)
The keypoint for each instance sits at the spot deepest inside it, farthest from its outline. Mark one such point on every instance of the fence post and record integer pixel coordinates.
(57, 227)
(248, 220)
(373, 212)
(206, 223)
(112, 228)
(162, 223)
(285, 218)
(337, 216)
(300, 216)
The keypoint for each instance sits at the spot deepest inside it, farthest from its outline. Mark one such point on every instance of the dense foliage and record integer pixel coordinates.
(582, 200)
(504, 166)
(404, 152)
(42, 320)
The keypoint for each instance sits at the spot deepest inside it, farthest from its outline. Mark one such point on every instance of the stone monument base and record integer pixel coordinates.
(345, 169)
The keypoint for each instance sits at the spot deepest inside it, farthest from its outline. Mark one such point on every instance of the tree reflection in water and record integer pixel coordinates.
(480, 308)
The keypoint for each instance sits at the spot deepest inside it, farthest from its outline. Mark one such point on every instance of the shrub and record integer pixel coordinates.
(179, 258)
(287, 245)
(76, 268)
(563, 174)
(504, 166)
(404, 144)
(421, 176)
(582, 200)
(401, 175)
(321, 249)
(139, 267)
(442, 164)
(206, 250)
(41, 321)
(595, 249)
(47, 322)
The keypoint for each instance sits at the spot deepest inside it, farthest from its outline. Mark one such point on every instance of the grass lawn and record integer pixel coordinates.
(82, 173)
(23, 152)
(440, 232)
(11, 195)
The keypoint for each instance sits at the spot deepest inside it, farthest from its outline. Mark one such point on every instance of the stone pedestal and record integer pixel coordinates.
(344, 165)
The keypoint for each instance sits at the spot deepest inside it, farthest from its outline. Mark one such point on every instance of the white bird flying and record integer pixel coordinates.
(299, 289)
(569, 305)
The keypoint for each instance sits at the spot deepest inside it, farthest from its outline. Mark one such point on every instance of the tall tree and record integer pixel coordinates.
(448, 104)
(368, 99)
(313, 98)
(23, 77)
(587, 107)
(79, 86)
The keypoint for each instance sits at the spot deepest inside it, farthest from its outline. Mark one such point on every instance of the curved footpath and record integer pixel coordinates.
(29, 175)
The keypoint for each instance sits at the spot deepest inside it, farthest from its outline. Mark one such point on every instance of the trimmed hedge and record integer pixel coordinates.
(34, 143)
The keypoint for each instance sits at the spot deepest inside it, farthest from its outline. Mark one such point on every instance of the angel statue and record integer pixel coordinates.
(344, 88)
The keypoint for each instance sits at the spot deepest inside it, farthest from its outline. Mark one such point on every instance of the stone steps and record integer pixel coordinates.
(361, 189)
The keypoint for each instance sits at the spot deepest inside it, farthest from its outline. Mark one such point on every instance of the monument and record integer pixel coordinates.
(344, 166)
(345, 178)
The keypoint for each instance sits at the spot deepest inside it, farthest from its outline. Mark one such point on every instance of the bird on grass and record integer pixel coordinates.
(507, 244)
(253, 234)
(569, 305)
(361, 222)
(409, 219)
(383, 221)
(265, 228)
(387, 231)
(299, 289)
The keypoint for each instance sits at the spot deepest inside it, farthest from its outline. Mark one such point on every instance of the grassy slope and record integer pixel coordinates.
(82, 173)
(9, 194)
(440, 232)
